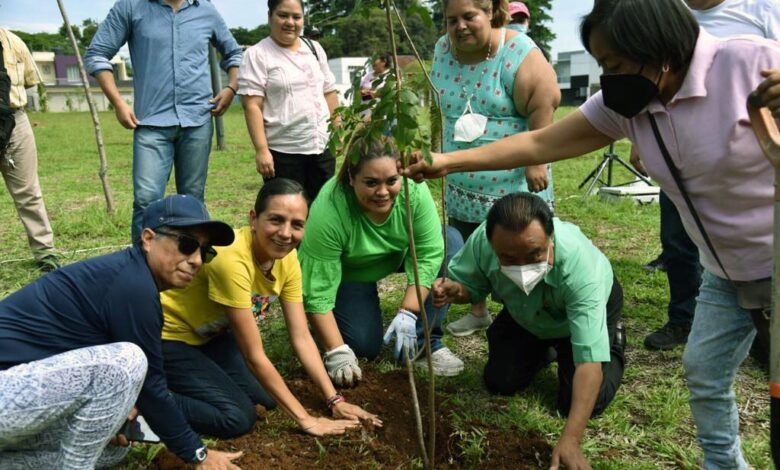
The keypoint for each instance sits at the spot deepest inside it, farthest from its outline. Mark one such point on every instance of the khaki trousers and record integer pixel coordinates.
(20, 172)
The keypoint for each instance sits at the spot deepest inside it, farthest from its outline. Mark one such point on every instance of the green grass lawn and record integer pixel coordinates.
(649, 424)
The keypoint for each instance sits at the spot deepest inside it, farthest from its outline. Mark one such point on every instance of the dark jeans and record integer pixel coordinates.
(312, 171)
(515, 356)
(683, 270)
(359, 316)
(213, 386)
(465, 228)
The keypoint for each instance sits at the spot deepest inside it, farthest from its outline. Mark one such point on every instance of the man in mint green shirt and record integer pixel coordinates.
(559, 292)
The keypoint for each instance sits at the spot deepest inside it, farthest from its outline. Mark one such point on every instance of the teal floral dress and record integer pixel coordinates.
(488, 85)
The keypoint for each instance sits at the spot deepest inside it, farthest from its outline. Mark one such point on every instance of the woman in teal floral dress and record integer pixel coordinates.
(493, 82)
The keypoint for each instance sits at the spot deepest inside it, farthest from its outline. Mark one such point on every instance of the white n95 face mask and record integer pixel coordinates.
(470, 125)
(527, 276)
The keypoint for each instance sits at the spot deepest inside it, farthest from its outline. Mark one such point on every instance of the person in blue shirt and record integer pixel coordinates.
(171, 116)
(80, 346)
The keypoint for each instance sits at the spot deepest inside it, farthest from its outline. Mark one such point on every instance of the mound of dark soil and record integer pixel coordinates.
(279, 446)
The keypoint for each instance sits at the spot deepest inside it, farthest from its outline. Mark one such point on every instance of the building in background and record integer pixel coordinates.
(578, 76)
(347, 70)
(62, 79)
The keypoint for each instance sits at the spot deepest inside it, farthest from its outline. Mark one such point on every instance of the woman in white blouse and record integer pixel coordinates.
(288, 93)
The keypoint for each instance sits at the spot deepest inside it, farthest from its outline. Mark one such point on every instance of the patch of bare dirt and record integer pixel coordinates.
(278, 446)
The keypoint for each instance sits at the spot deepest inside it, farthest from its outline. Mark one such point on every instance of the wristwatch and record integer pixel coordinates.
(200, 455)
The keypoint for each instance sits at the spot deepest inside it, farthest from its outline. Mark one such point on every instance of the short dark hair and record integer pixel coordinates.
(368, 149)
(276, 187)
(387, 59)
(272, 4)
(653, 32)
(516, 211)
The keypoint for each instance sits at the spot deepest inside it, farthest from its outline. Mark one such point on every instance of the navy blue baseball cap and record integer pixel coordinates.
(180, 210)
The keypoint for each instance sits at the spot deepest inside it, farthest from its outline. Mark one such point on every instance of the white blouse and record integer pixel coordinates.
(293, 85)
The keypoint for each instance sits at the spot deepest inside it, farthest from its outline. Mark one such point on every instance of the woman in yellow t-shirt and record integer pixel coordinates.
(214, 359)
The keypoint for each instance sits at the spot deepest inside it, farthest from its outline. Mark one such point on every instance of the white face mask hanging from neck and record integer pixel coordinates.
(527, 276)
(470, 126)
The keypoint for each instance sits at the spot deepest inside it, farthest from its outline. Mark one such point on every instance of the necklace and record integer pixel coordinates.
(459, 78)
(487, 56)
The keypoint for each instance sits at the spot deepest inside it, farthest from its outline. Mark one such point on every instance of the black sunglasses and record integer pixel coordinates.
(188, 244)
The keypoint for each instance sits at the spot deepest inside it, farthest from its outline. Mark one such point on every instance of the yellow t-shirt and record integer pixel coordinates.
(233, 278)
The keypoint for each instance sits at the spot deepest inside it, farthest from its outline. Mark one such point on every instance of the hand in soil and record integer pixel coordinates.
(353, 412)
(216, 460)
(569, 454)
(325, 427)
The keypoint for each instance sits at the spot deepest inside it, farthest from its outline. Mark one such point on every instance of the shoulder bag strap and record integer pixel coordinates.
(678, 179)
(313, 50)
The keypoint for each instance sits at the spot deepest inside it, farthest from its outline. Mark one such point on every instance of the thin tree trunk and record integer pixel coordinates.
(95, 119)
(216, 87)
(429, 456)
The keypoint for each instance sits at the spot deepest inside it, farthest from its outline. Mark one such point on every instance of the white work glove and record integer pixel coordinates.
(342, 366)
(404, 328)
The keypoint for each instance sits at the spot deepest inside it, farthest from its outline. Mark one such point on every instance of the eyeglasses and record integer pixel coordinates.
(188, 244)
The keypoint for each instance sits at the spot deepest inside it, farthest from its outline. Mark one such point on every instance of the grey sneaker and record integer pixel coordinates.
(469, 324)
(445, 363)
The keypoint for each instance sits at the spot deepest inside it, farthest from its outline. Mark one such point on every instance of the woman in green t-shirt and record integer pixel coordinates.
(356, 236)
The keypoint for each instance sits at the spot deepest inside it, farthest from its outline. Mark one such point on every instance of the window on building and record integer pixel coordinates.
(73, 73)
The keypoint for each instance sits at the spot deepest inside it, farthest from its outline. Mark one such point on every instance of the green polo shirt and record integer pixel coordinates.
(571, 301)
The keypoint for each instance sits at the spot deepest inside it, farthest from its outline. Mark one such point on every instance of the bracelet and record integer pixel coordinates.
(335, 400)
(235, 92)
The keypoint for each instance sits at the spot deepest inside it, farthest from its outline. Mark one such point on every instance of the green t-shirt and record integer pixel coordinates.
(570, 301)
(341, 244)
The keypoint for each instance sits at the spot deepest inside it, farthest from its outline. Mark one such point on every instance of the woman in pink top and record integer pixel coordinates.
(658, 65)
(288, 93)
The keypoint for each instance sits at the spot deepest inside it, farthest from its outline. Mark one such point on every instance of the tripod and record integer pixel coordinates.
(606, 164)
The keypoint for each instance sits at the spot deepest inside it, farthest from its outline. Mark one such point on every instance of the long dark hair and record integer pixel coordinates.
(654, 32)
(368, 149)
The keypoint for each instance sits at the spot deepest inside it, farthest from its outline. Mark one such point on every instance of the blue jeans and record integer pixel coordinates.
(359, 316)
(683, 271)
(155, 151)
(720, 338)
(213, 386)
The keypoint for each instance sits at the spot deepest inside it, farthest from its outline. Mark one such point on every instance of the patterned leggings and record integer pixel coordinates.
(60, 412)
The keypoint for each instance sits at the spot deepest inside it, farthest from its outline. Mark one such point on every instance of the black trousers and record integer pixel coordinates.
(312, 171)
(515, 356)
(683, 270)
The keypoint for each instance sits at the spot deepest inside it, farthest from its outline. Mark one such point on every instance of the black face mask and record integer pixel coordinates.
(627, 93)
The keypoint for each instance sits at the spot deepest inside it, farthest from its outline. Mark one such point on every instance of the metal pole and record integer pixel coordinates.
(216, 87)
(768, 137)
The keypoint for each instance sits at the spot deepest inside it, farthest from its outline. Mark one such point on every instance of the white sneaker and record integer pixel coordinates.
(445, 363)
(469, 324)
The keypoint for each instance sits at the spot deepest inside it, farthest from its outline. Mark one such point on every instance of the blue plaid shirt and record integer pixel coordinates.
(169, 52)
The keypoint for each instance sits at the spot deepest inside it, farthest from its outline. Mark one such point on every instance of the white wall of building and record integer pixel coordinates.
(344, 68)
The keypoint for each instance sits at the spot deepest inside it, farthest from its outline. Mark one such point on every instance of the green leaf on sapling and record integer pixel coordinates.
(409, 97)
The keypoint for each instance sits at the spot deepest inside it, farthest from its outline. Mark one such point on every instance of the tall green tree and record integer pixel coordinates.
(248, 37)
(45, 42)
(540, 18)
(88, 29)
(358, 35)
